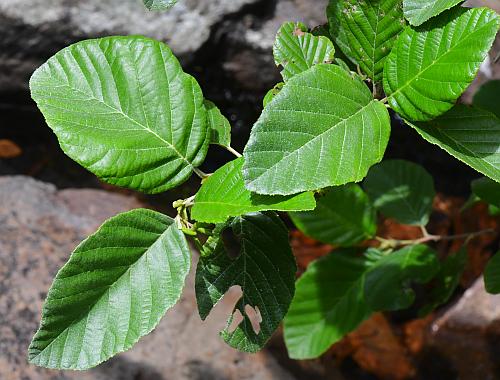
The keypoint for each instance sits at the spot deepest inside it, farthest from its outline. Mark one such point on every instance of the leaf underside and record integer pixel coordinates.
(123, 108)
(113, 290)
(432, 65)
(419, 11)
(344, 216)
(366, 31)
(264, 269)
(296, 50)
(401, 190)
(323, 129)
(470, 135)
(224, 194)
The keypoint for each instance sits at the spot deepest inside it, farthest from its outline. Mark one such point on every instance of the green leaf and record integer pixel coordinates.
(296, 50)
(123, 108)
(365, 31)
(419, 11)
(388, 284)
(344, 216)
(329, 303)
(470, 135)
(487, 190)
(432, 65)
(488, 97)
(272, 93)
(447, 280)
(114, 289)
(218, 125)
(401, 190)
(223, 195)
(159, 5)
(264, 269)
(492, 275)
(323, 129)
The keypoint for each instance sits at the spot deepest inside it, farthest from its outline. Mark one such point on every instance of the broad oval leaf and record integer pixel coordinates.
(492, 275)
(264, 269)
(114, 289)
(366, 30)
(401, 190)
(224, 194)
(123, 108)
(159, 5)
(432, 65)
(296, 50)
(388, 283)
(344, 216)
(218, 125)
(488, 97)
(419, 11)
(323, 129)
(329, 303)
(487, 190)
(470, 135)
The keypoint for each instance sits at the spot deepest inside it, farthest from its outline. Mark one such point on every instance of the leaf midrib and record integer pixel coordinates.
(105, 291)
(120, 112)
(341, 123)
(462, 41)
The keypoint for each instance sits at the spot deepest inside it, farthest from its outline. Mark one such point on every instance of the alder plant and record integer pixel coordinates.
(123, 108)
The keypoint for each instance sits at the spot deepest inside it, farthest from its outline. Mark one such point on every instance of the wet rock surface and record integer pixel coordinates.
(32, 30)
(39, 227)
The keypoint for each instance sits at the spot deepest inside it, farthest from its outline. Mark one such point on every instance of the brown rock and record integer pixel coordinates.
(468, 335)
(39, 227)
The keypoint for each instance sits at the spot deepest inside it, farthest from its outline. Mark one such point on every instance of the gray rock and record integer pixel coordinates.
(251, 63)
(39, 226)
(33, 30)
(467, 335)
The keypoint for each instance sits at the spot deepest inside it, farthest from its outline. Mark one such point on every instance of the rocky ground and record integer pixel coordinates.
(39, 227)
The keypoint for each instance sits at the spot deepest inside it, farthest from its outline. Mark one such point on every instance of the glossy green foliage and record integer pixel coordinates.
(446, 281)
(322, 129)
(296, 50)
(401, 190)
(123, 108)
(487, 190)
(388, 284)
(488, 97)
(329, 303)
(159, 5)
(344, 216)
(470, 135)
(218, 125)
(264, 268)
(366, 30)
(419, 11)
(432, 65)
(113, 290)
(224, 194)
(492, 275)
